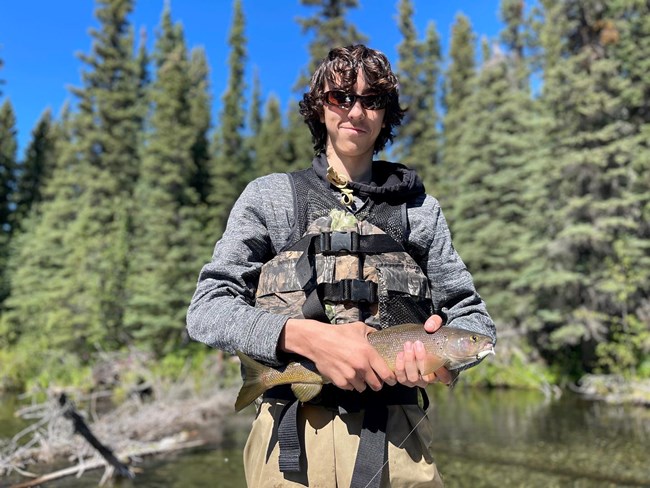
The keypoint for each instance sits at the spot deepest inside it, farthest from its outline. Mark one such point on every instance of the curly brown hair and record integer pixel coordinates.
(340, 69)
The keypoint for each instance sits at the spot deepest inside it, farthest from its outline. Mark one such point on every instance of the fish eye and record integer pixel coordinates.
(474, 338)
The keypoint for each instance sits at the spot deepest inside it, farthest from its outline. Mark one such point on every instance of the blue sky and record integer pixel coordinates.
(39, 39)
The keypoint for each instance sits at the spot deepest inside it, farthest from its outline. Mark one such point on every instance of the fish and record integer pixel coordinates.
(450, 347)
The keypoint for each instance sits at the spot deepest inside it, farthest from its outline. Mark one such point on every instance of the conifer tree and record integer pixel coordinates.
(200, 102)
(75, 254)
(329, 29)
(40, 317)
(498, 151)
(254, 124)
(301, 148)
(8, 148)
(591, 301)
(231, 167)
(457, 89)
(418, 72)
(36, 168)
(255, 112)
(164, 252)
(271, 146)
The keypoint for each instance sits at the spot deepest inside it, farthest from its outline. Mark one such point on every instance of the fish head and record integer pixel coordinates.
(464, 347)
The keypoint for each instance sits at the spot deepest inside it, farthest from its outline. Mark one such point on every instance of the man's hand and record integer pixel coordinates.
(341, 353)
(410, 362)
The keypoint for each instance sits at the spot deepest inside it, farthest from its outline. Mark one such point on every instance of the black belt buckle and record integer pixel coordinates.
(359, 291)
(340, 242)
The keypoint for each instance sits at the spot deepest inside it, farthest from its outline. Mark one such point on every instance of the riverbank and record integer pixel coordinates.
(614, 389)
(175, 417)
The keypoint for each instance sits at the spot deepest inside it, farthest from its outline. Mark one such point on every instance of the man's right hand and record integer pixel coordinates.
(341, 352)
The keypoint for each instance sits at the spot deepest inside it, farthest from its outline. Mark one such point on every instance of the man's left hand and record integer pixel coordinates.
(410, 362)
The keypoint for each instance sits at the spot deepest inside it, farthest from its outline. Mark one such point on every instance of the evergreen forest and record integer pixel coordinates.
(538, 148)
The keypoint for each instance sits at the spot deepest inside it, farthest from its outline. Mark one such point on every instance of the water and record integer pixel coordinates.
(484, 439)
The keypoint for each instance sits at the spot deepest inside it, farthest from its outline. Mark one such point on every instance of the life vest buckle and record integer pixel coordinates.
(339, 242)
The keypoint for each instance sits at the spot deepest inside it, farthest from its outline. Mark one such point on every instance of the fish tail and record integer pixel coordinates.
(253, 385)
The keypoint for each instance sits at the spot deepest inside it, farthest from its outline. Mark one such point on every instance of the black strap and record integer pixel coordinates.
(373, 449)
(334, 242)
(360, 291)
(288, 438)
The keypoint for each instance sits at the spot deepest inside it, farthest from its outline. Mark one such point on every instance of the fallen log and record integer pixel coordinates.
(80, 427)
(166, 445)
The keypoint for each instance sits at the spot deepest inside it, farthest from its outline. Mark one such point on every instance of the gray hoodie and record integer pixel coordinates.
(222, 312)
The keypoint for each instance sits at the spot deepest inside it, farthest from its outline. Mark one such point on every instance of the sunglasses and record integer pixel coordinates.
(346, 100)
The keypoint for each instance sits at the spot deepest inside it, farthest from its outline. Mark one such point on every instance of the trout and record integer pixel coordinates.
(449, 347)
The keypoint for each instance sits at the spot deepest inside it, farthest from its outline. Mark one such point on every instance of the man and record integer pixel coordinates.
(310, 263)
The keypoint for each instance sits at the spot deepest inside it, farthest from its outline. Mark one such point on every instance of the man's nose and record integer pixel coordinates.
(356, 110)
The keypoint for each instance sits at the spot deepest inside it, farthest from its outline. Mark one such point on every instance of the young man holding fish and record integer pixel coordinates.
(310, 265)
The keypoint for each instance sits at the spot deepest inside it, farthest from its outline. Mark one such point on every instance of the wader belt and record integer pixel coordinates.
(373, 449)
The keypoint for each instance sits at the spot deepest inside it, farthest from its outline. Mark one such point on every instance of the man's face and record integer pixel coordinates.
(351, 132)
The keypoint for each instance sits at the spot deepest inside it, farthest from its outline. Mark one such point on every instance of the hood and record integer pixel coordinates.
(389, 180)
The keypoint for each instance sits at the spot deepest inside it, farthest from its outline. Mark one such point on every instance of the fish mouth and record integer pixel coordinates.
(486, 352)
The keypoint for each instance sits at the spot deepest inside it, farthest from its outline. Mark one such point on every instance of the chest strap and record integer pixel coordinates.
(353, 290)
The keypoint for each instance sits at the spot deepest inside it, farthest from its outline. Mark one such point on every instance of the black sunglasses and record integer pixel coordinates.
(346, 100)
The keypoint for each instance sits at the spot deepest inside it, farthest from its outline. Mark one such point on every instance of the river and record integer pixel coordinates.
(484, 439)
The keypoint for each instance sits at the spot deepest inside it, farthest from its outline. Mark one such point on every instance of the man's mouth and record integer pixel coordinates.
(358, 130)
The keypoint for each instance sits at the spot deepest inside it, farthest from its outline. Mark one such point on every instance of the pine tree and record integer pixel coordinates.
(255, 112)
(254, 124)
(457, 88)
(35, 170)
(164, 253)
(591, 302)
(231, 168)
(301, 148)
(68, 290)
(200, 102)
(418, 72)
(271, 146)
(329, 29)
(8, 148)
(39, 313)
(498, 152)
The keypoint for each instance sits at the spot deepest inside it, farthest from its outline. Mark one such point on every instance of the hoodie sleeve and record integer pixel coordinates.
(222, 312)
(452, 287)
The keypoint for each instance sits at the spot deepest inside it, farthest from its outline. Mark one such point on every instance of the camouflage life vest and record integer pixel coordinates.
(340, 267)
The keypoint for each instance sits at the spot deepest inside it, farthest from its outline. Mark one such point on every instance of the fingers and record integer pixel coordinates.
(382, 373)
(411, 361)
(444, 376)
(433, 323)
(407, 371)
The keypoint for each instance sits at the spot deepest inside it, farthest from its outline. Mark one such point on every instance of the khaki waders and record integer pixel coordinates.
(329, 444)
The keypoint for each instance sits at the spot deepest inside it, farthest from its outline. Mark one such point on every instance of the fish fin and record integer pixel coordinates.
(432, 363)
(306, 391)
(253, 385)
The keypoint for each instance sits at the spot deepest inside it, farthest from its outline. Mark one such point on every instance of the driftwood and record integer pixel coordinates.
(166, 445)
(81, 428)
(168, 419)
